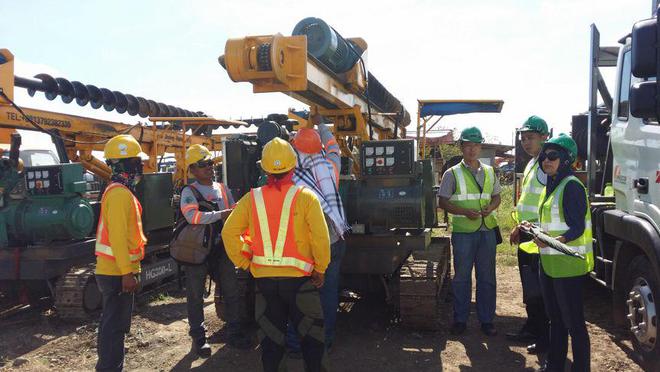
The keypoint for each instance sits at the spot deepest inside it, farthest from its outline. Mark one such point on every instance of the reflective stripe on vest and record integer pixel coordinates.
(467, 195)
(528, 204)
(103, 247)
(223, 190)
(556, 264)
(223, 193)
(284, 253)
(530, 194)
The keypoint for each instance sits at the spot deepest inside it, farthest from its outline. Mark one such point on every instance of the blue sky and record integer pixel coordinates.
(532, 54)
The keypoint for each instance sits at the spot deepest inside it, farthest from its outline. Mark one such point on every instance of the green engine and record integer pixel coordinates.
(43, 204)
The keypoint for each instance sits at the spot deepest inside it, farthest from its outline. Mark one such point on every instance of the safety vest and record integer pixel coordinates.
(551, 215)
(258, 247)
(469, 195)
(102, 238)
(528, 204)
(197, 216)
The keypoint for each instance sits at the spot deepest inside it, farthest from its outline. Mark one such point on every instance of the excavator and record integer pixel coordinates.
(387, 192)
(47, 225)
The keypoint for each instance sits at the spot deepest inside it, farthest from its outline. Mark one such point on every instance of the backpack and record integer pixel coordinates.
(192, 244)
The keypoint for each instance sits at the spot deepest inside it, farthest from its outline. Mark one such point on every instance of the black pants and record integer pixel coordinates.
(537, 320)
(295, 300)
(565, 307)
(115, 323)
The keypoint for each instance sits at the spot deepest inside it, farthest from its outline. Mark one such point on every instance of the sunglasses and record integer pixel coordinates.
(204, 164)
(552, 155)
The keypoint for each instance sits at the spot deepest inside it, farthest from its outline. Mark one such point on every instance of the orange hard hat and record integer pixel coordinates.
(307, 140)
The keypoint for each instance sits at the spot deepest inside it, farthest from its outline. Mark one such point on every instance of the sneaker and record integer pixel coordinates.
(488, 329)
(201, 348)
(457, 328)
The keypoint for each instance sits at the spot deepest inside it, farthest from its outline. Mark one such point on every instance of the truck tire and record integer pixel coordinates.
(643, 294)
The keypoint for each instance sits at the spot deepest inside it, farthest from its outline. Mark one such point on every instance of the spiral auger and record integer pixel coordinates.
(96, 97)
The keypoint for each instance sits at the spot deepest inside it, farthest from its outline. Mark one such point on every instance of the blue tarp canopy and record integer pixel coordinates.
(442, 108)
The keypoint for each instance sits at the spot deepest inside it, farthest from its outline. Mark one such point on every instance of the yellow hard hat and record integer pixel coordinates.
(197, 153)
(121, 147)
(278, 157)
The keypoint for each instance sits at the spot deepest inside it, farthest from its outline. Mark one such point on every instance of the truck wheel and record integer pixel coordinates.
(641, 301)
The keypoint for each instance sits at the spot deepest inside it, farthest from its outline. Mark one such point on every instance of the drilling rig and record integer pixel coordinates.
(387, 192)
(47, 226)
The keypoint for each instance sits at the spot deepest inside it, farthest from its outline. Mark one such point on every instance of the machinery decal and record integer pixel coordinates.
(40, 120)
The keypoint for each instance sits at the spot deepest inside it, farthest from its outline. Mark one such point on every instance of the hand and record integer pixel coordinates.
(224, 214)
(539, 243)
(486, 211)
(526, 224)
(514, 238)
(128, 283)
(472, 214)
(317, 279)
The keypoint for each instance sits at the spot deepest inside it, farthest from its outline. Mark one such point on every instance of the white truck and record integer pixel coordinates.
(619, 144)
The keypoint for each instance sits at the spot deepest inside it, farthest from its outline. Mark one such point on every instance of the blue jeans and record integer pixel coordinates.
(329, 298)
(565, 307)
(115, 323)
(474, 249)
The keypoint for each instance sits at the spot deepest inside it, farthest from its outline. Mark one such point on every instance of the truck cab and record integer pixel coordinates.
(619, 144)
(636, 149)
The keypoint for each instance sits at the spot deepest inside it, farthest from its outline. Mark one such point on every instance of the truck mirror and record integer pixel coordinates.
(645, 65)
(642, 100)
(644, 53)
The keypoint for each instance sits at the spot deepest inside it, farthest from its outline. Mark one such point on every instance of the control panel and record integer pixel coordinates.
(44, 180)
(388, 158)
(54, 179)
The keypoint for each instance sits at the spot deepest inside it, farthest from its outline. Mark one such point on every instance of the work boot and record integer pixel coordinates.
(201, 347)
(457, 328)
(488, 329)
(521, 336)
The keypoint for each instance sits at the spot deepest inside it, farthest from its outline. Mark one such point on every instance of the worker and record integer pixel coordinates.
(287, 250)
(119, 249)
(206, 202)
(318, 165)
(535, 331)
(564, 215)
(470, 192)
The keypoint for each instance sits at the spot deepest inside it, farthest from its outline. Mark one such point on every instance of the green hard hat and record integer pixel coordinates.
(535, 124)
(471, 134)
(566, 142)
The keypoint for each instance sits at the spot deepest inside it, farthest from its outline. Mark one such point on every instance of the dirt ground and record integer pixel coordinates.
(35, 341)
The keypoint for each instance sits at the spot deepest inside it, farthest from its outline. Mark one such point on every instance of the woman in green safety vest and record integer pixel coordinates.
(564, 215)
(536, 330)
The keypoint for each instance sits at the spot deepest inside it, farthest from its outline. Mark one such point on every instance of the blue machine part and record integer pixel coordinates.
(326, 45)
